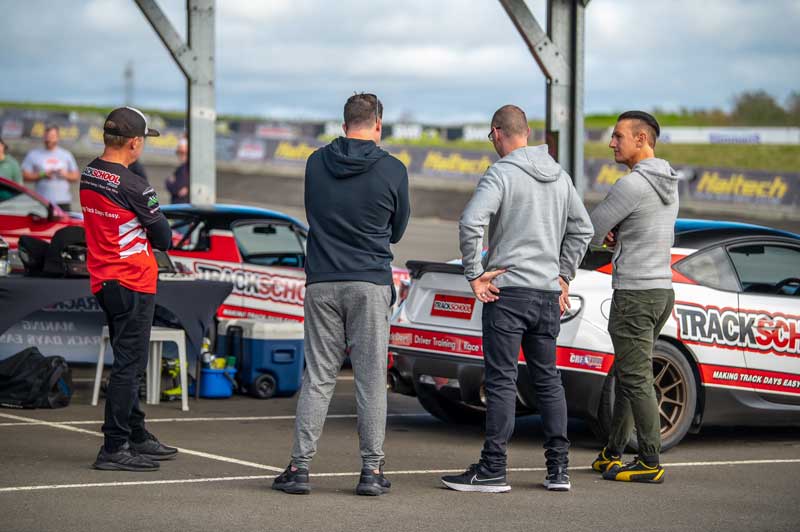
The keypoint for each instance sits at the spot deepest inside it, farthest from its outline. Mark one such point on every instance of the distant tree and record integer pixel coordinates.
(793, 108)
(757, 108)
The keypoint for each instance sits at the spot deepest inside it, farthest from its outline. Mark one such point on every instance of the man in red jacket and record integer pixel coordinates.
(123, 224)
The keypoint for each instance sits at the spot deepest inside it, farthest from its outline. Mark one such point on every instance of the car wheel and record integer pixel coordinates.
(264, 386)
(446, 409)
(676, 391)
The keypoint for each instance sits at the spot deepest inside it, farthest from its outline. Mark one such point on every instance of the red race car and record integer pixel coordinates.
(24, 212)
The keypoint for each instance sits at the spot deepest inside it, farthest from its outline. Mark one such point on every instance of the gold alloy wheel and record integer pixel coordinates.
(670, 384)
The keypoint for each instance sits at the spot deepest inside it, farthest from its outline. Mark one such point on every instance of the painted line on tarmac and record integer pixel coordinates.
(355, 474)
(134, 483)
(202, 419)
(183, 450)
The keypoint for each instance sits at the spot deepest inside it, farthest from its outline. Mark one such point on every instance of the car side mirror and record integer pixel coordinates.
(51, 212)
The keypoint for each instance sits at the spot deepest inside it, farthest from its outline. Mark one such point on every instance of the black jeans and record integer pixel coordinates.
(530, 319)
(129, 315)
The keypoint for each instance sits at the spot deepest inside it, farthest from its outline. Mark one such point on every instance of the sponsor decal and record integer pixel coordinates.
(98, 212)
(453, 307)
(231, 311)
(729, 328)
(260, 285)
(472, 347)
(152, 201)
(765, 381)
(102, 175)
(589, 361)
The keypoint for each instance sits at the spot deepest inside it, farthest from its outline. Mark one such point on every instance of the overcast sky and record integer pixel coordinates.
(433, 60)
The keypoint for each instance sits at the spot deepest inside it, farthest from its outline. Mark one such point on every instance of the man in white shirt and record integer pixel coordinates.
(52, 168)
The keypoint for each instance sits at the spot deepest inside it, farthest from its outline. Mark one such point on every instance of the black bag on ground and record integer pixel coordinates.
(31, 380)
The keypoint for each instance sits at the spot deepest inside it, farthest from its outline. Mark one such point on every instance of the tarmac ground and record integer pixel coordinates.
(721, 479)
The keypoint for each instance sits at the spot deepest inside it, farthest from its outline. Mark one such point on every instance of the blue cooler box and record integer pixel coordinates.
(269, 355)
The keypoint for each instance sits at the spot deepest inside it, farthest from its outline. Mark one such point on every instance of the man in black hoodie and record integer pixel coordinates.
(357, 204)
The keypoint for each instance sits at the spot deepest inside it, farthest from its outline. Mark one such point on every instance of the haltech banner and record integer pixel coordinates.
(712, 184)
(746, 186)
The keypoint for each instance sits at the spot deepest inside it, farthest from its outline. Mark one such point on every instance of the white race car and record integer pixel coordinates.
(729, 355)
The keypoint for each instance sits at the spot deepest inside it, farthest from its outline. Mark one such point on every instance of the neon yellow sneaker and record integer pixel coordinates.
(605, 460)
(636, 471)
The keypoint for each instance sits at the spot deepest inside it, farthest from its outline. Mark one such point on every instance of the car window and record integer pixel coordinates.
(189, 234)
(270, 244)
(767, 268)
(16, 202)
(710, 268)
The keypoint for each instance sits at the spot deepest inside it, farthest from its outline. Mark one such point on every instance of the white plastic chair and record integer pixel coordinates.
(158, 336)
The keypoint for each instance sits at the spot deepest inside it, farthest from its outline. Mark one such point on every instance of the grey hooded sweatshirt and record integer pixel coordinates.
(538, 227)
(644, 204)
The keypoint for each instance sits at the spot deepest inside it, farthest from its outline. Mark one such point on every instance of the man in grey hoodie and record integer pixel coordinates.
(637, 218)
(538, 233)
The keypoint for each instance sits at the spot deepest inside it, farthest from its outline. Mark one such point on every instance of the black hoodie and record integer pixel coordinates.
(357, 203)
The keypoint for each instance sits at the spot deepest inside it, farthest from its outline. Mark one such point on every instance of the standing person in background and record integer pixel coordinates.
(637, 218)
(178, 182)
(9, 167)
(52, 169)
(357, 204)
(538, 234)
(124, 223)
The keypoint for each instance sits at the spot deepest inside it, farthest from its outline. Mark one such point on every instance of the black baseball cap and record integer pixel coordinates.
(128, 122)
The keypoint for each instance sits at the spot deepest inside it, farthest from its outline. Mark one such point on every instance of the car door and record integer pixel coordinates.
(209, 253)
(769, 302)
(705, 316)
(273, 260)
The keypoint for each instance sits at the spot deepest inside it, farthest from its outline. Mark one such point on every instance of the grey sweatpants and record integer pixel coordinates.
(341, 318)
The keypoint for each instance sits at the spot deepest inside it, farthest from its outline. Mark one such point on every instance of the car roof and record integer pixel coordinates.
(221, 211)
(698, 234)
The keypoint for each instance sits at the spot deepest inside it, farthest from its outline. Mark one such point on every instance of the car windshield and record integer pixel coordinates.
(16, 202)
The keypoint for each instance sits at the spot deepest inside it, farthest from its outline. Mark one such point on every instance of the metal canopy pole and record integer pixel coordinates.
(560, 55)
(196, 60)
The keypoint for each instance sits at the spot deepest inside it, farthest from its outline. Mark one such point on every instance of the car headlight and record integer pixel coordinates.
(576, 303)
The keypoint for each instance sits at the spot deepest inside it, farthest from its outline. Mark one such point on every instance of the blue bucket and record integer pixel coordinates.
(216, 382)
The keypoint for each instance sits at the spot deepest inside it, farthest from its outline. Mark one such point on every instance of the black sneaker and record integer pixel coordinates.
(294, 482)
(124, 459)
(371, 483)
(153, 449)
(557, 479)
(636, 471)
(477, 478)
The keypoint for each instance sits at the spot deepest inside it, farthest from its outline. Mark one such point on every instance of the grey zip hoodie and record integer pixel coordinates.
(538, 227)
(644, 204)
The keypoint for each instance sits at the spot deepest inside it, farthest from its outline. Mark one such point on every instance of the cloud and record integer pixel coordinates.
(436, 59)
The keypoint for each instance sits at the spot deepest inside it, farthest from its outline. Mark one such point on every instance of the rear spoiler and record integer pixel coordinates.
(417, 268)
(593, 260)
